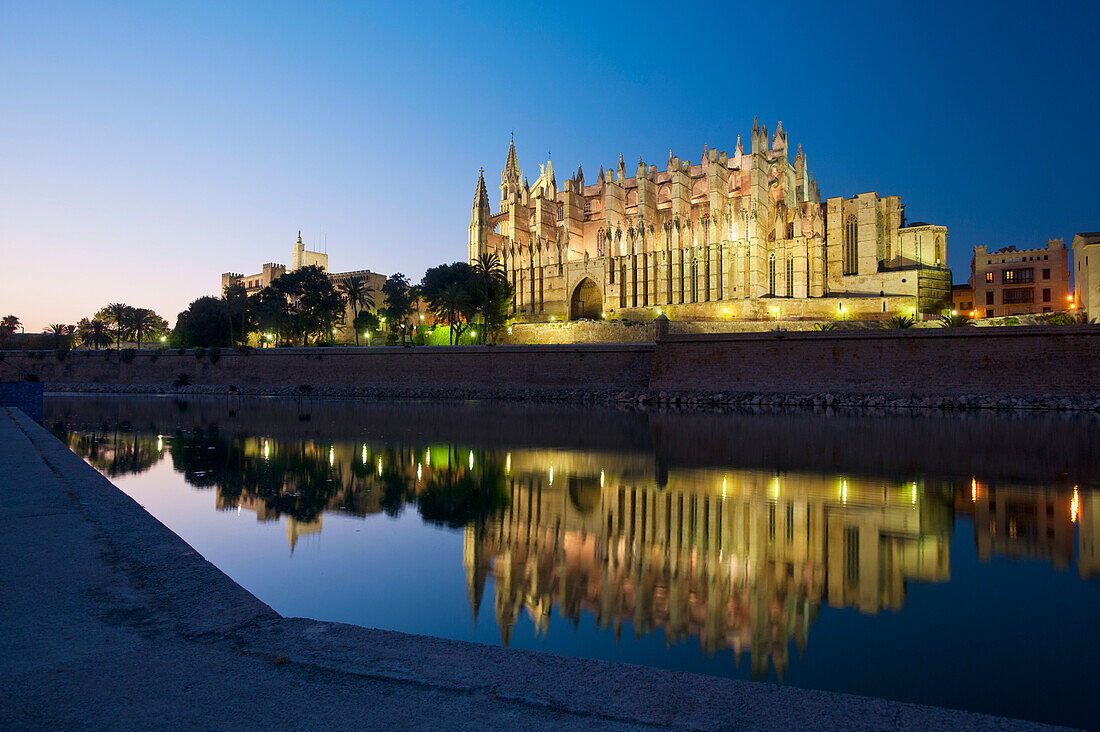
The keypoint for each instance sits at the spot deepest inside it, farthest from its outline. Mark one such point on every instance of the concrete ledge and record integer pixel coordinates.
(113, 621)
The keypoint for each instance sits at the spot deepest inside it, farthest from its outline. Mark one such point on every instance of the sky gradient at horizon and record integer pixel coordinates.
(149, 147)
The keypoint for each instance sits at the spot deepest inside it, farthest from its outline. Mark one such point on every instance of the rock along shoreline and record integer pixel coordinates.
(647, 399)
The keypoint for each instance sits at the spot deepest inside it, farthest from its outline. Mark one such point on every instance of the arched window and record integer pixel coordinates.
(771, 273)
(851, 248)
(599, 243)
(694, 280)
(939, 251)
(790, 276)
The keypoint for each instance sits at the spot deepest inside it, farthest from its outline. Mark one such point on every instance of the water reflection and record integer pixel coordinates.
(731, 558)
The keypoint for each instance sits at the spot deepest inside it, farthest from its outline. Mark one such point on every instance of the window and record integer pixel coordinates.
(988, 276)
(1018, 296)
(851, 249)
(1021, 274)
(1046, 273)
(1046, 294)
(771, 274)
(989, 298)
(989, 312)
(1045, 256)
(790, 276)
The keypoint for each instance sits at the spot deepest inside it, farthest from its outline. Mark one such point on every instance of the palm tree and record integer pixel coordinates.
(358, 295)
(9, 324)
(451, 302)
(141, 323)
(117, 313)
(58, 331)
(95, 333)
(488, 271)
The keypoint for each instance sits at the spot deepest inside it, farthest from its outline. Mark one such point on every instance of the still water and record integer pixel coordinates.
(951, 560)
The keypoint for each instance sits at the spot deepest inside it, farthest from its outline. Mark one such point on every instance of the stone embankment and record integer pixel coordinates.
(1056, 367)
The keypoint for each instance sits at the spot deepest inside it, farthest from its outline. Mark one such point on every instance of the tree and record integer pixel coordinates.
(60, 333)
(144, 324)
(358, 295)
(399, 302)
(488, 275)
(115, 315)
(365, 322)
(312, 301)
(236, 301)
(94, 332)
(9, 324)
(204, 323)
(270, 313)
(450, 293)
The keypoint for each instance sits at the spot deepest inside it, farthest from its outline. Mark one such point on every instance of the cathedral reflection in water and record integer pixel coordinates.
(739, 559)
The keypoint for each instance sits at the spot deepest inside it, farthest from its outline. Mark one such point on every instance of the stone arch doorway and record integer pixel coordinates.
(587, 302)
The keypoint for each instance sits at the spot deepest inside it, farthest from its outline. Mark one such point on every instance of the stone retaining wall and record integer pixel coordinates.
(1061, 361)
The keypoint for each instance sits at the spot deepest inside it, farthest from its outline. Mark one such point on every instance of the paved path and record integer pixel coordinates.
(109, 620)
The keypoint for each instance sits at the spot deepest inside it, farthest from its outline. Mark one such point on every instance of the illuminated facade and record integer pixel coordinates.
(1013, 281)
(738, 235)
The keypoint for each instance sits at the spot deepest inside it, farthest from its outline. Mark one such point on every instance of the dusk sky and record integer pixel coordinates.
(147, 147)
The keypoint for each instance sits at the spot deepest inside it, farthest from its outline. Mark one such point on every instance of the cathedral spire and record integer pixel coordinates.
(511, 167)
(620, 172)
(481, 196)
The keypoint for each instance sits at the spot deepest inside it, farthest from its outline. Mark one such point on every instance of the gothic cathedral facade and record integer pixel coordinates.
(734, 236)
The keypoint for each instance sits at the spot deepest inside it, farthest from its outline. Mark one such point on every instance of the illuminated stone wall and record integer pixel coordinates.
(1058, 360)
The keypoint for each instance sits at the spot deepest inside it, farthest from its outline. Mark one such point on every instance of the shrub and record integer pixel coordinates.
(955, 321)
(244, 350)
(824, 326)
(127, 356)
(182, 379)
(1008, 321)
(901, 321)
(215, 354)
(200, 353)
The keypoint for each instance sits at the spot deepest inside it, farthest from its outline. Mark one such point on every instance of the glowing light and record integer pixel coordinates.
(163, 339)
(775, 488)
(954, 312)
(601, 479)
(419, 475)
(723, 489)
(364, 454)
(160, 443)
(603, 315)
(1074, 506)
(428, 457)
(379, 466)
(508, 463)
(331, 456)
(471, 459)
(914, 494)
(553, 317)
(269, 337)
(844, 491)
(473, 334)
(267, 450)
(551, 475)
(973, 490)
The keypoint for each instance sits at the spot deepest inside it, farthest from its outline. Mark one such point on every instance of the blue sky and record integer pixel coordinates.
(148, 147)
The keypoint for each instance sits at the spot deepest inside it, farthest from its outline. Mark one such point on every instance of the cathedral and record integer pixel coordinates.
(741, 236)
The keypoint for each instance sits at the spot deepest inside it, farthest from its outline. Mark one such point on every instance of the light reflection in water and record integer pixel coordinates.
(739, 560)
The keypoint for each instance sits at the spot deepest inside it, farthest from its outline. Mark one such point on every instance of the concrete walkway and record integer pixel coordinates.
(109, 620)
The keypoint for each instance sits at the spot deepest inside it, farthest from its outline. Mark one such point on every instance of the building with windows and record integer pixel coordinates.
(734, 236)
(1013, 281)
(1086, 272)
(302, 257)
(962, 300)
